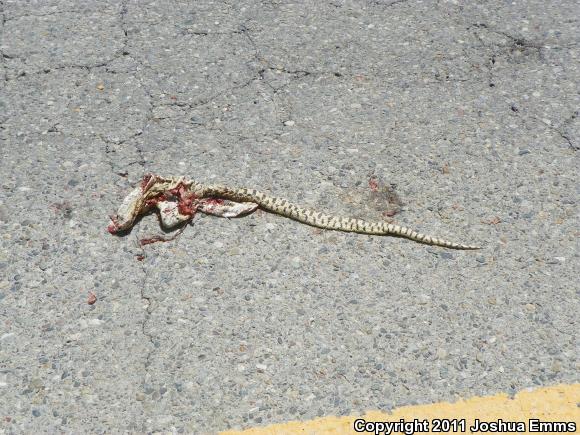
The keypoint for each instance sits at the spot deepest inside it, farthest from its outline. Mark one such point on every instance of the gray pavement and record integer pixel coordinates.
(464, 113)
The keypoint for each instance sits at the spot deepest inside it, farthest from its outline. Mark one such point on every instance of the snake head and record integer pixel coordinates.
(131, 207)
(140, 200)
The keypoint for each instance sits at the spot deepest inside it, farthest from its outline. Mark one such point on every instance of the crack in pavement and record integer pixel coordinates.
(148, 311)
(387, 4)
(564, 126)
(47, 14)
(521, 44)
(561, 130)
(119, 53)
(516, 43)
(123, 10)
(3, 56)
(148, 300)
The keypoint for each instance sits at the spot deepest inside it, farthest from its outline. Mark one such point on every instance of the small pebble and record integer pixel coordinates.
(296, 262)
(91, 299)
(530, 308)
(424, 299)
(95, 322)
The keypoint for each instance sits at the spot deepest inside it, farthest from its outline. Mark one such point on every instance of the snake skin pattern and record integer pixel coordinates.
(187, 194)
(316, 219)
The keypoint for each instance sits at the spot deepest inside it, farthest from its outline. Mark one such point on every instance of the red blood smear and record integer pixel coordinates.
(113, 227)
(186, 207)
(151, 240)
(374, 184)
(140, 257)
(185, 204)
(213, 201)
(153, 201)
(155, 239)
(177, 190)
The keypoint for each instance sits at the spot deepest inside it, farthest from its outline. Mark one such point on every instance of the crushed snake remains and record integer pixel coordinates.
(178, 199)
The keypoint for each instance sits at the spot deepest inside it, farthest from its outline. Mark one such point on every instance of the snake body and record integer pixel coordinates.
(188, 192)
(317, 219)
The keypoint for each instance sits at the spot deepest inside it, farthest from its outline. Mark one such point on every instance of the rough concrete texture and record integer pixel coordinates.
(462, 115)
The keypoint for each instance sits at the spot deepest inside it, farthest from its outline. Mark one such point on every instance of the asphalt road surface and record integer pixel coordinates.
(459, 119)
